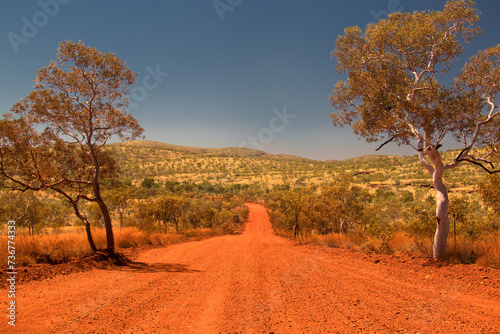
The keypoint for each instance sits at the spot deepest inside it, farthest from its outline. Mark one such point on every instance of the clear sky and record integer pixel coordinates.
(216, 73)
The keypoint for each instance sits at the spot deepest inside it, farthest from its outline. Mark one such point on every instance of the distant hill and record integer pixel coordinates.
(368, 158)
(221, 152)
(144, 158)
(230, 151)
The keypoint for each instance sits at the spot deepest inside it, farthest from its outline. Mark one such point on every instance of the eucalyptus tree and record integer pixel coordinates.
(289, 207)
(55, 137)
(170, 208)
(347, 204)
(395, 91)
(33, 161)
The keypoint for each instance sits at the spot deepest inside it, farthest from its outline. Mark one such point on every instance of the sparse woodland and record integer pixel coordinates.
(68, 180)
(375, 204)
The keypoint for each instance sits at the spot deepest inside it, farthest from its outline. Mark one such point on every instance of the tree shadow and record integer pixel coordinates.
(140, 267)
(118, 261)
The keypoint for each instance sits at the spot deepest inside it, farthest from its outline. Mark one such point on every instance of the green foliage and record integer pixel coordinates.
(54, 138)
(185, 211)
(27, 211)
(338, 206)
(169, 209)
(148, 183)
(394, 91)
(406, 196)
(490, 192)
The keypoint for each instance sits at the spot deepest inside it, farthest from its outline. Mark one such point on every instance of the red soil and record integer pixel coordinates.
(260, 283)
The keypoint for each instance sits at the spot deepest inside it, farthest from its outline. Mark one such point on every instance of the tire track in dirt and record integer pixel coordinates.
(257, 282)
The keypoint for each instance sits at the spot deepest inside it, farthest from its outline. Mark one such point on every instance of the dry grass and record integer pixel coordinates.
(54, 248)
(485, 251)
(334, 240)
(463, 250)
(488, 250)
(402, 242)
(60, 247)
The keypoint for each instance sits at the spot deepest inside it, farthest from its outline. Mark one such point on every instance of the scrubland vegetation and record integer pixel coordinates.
(386, 220)
(376, 203)
(165, 194)
(62, 246)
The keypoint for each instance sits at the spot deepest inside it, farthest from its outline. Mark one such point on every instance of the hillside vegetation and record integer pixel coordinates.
(374, 203)
(226, 166)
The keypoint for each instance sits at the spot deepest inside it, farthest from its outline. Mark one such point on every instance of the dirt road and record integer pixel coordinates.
(259, 283)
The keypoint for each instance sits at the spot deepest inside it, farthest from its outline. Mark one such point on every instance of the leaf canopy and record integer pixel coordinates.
(53, 137)
(80, 97)
(392, 89)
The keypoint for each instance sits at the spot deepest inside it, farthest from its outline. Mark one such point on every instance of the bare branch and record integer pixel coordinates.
(386, 142)
(492, 171)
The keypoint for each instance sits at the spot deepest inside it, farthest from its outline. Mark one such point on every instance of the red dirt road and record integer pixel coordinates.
(259, 283)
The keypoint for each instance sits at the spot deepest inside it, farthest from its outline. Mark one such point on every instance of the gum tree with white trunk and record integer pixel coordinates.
(395, 92)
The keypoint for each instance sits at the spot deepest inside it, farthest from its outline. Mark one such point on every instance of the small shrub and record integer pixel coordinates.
(334, 240)
(463, 251)
(488, 250)
(129, 237)
(401, 241)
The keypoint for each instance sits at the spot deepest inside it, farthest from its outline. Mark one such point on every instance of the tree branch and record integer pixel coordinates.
(386, 142)
(421, 157)
(482, 166)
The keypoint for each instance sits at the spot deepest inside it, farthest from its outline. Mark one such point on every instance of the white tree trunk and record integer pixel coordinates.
(443, 222)
(442, 202)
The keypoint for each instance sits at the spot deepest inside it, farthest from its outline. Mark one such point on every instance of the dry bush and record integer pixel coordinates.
(463, 250)
(129, 237)
(200, 233)
(334, 240)
(55, 248)
(158, 238)
(488, 250)
(60, 247)
(401, 242)
(374, 245)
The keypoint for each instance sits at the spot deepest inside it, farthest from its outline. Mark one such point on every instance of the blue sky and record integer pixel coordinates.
(216, 73)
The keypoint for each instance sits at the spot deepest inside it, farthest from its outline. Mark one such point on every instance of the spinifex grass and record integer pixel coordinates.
(484, 251)
(60, 247)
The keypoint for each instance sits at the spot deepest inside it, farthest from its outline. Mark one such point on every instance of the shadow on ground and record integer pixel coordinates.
(101, 259)
(157, 267)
